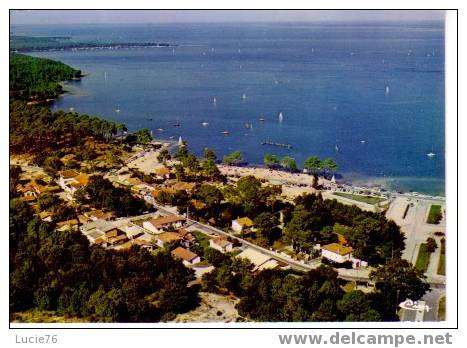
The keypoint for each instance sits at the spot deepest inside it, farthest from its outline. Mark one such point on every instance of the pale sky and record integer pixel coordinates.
(209, 16)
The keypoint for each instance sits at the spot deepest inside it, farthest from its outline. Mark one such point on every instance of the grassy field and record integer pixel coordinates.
(360, 198)
(442, 309)
(423, 258)
(435, 215)
(201, 238)
(442, 259)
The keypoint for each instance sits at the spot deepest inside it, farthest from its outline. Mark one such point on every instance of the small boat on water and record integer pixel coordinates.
(387, 89)
(363, 141)
(271, 143)
(281, 117)
(72, 109)
(262, 119)
(117, 110)
(225, 132)
(177, 124)
(160, 129)
(214, 100)
(337, 148)
(205, 124)
(149, 119)
(431, 154)
(243, 96)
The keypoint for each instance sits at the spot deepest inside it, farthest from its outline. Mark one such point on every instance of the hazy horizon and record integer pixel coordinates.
(57, 17)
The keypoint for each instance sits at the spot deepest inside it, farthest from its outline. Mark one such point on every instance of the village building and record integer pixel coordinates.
(261, 261)
(221, 244)
(95, 231)
(176, 185)
(241, 224)
(67, 225)
(159, 224)
(167, 237)
(71, 181)
(187, 238)
(188, 257)
(132, 231)
(46, 216)
(340, 254)
(336, 252)
(162, 173)
(98, 214)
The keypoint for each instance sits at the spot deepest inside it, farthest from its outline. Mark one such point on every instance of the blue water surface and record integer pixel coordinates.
(375, 92)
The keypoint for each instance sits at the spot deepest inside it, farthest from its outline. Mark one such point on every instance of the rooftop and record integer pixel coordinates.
(101, 225)
(69, 173)
(337, 249)
(254, 256)
(222, 242)
(164, 220)
(184, 254)
(168, 237)
(162, 171)
(244, 222)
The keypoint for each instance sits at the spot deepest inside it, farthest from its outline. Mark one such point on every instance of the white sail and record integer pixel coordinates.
(281, 117)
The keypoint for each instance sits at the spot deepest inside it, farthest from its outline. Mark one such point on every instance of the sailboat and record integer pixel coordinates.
(214, 100)
(180, 141)
(387, 89)
(117, 110)
(262, 119)
(204, 124)
(281, 117)
(431, 154)
(244, 96)
(337, 148)
(105, 75)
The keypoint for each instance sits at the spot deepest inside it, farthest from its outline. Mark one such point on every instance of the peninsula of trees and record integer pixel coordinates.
(59, 43)
(37, 79)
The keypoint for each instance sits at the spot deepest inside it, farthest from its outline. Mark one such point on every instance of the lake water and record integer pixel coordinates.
(375, 92)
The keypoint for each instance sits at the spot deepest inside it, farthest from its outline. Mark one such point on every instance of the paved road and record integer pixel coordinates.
(347, 274)
(432, 300)
(415, 227)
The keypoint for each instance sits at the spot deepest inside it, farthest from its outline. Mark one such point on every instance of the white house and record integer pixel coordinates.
(188, 257)
(157, 225)
(70, 181)
(260, 260)
(336, 252)
(238, 225)
(221, 244)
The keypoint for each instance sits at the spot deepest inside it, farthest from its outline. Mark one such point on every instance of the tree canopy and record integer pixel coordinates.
(37, 79)
(61, 272)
